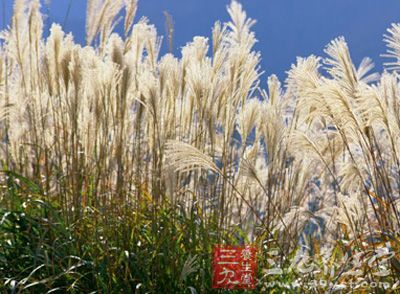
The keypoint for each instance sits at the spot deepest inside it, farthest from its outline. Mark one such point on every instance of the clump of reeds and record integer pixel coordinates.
(115, 128)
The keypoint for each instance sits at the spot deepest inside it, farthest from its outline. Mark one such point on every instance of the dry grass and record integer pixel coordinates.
(314, 163)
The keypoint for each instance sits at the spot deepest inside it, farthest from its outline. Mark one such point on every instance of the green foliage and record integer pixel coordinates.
(147, 250)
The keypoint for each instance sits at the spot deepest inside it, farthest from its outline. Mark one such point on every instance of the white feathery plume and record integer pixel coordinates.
(35, 22)
(185, 157)
(240, 26)
(248, 118)
(392, 40)
(131, 8)
(340, 65)
(100, 19)
(195, 51)
(91, 8)
(364, 69)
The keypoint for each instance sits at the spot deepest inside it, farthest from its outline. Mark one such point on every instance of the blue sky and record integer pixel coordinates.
(285, 28)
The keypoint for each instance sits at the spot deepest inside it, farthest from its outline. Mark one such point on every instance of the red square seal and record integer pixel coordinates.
(234, 267)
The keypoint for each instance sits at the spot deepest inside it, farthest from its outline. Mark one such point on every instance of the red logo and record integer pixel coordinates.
(234, 267)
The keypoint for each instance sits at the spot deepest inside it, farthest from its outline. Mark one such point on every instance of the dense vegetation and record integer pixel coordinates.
(122, 169)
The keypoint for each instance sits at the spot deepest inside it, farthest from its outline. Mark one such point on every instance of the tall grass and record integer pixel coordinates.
(129, 166)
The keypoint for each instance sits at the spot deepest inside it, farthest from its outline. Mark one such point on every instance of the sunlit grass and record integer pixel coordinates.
(121, 169)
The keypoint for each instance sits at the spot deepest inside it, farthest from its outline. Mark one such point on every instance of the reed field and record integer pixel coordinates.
(121, 168)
